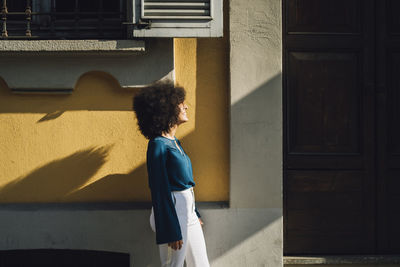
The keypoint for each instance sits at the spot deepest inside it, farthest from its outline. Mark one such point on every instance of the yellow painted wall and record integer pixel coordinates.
(206, 135)
(86, 147)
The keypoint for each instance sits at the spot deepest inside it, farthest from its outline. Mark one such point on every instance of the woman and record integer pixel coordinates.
(160, 109)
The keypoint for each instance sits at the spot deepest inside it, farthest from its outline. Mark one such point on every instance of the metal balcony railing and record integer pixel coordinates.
(63, 19)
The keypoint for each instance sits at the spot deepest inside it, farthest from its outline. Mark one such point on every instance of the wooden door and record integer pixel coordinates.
(330, 157)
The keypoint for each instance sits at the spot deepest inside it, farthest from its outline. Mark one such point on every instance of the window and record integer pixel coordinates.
(177, 18)
(109, 19)
(63, 19)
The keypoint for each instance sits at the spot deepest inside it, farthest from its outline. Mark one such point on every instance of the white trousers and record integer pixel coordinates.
(193, 250)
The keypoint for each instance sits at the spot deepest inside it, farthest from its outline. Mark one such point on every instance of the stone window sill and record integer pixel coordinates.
(55, 66)
(72, 46)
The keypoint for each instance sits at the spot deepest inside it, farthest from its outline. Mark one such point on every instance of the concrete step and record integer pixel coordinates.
(342, 261)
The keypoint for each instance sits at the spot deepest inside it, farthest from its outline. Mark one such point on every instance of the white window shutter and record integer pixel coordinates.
(176, 18)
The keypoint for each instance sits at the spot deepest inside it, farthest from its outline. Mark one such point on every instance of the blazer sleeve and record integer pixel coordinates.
(166, 220)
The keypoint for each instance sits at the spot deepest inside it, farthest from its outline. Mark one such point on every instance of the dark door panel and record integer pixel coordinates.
(323, 202)
(323, 16)
(324, 102)
(346, 243)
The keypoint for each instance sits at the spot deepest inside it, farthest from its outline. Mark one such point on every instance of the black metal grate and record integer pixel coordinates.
(63, 19)
(62, 258)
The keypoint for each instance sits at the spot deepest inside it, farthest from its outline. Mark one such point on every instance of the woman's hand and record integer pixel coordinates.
(201, 222)
(176, 244)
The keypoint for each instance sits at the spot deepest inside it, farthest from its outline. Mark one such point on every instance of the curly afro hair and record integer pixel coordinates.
(156, 108)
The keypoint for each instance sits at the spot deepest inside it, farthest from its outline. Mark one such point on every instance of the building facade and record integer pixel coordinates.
(73, 162)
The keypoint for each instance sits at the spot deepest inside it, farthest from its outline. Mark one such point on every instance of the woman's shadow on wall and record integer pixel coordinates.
(63, 180)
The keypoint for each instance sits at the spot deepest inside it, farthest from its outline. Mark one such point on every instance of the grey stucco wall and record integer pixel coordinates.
(256, 126)
(235, 237)
(249, 232)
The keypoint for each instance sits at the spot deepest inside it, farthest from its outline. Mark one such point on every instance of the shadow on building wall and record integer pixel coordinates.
(253, 114)
(92, 92)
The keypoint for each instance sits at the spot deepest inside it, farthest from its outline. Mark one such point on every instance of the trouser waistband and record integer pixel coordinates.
(186, 192)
